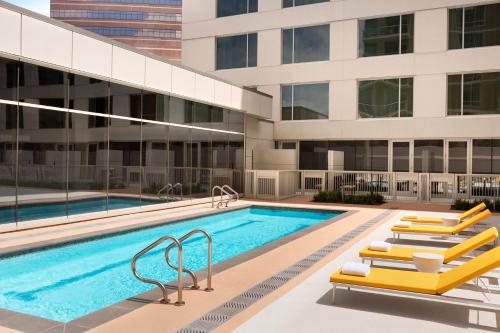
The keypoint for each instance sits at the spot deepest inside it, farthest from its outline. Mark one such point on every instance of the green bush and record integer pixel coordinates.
(362, 199)
(462, 204)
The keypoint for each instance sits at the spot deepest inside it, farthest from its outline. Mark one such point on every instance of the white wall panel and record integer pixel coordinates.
(268, 40)
(199, 10)
(10, 22)
(158, 75)
(46, 42)
(183, 82)
(191, 56)
(128, 66)
(222, 93)
(431, 30)
(236, 97)
(205, 88)
(91, 55)
(435, 87)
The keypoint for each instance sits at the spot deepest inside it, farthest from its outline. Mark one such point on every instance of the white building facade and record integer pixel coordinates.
(406, 86)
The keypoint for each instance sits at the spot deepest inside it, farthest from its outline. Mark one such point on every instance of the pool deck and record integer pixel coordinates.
(299, 304)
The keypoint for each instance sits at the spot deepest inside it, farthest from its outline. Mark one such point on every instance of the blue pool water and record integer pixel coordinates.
(46, 210)
(67, 282)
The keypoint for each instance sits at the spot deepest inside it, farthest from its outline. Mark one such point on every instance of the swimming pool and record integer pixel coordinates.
(67, 282)
(28, 212)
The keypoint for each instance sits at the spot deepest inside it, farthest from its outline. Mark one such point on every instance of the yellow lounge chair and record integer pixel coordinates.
(437, 220)
(441, 230)
(398, 253)
(402, 281)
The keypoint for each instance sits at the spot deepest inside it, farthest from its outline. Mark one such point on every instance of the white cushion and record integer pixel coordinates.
(355, 268)
(380, 246)
(402, 224)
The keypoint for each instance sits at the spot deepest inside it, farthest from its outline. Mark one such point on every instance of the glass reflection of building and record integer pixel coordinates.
(65, 138)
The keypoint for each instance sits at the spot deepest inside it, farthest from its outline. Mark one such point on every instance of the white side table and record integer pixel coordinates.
(428, 262)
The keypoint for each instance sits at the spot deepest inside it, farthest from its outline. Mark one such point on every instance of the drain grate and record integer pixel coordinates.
(223, 313)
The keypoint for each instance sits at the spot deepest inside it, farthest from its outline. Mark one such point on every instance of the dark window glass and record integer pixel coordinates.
(236, 121)
(135, 32)
(313, 155)
(307, 44)
(486, 156)
(154, 106)
(125, 101)
(155, 160)
(8, 79)
(236, 7)
(386, 98)
(180, 161)
(88, 94)
(386, 35)
(481, 93)
(289, 145)
(454, 95)
(457, 157)
(42, 161)
(455, 28)
(475, 26)
(308, 101)
(40, 85)
(362, 155)
(401, 156)
(178, 110)
(88, 160)
(292, 3)
(237, 51)
(428, 156)
(7, 163)
(11, 117)
(51, 119)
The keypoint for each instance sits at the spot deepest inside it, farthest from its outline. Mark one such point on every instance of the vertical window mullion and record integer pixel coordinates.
(400, 32)
(399, 98)
(247, 52)
(293, 45)
(293, 102)
(462, 95)
(463, 28)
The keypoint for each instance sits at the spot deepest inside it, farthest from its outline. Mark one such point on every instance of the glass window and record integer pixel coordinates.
(385, 98)
(237, 51)
(236, 7)
(125, 101)
(87, 94)
(428, 156)
(386, 35)
(135, 32)
(8, 163)
(475, 26)
(42, 163)
(363, 155)
(8, 79)
(154, 106)
(486, 156)
(457, 157)
(155, 160)
(305, 101)
(293, 3)
(313, 155)
(41, 85)
(180, 151)
(474, 94)
(401, 156)
(306, 44)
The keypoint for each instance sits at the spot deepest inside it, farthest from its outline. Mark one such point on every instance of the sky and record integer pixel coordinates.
(39, 6)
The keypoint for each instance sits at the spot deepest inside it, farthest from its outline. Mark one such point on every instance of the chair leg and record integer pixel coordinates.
(333, 292)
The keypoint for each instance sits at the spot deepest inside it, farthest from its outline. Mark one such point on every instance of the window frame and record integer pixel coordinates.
(294, 5)
(302, 84)
(329, 24)
(358, 35)
(247, 53)
(462, 95)
(399, 97)
(247, 11)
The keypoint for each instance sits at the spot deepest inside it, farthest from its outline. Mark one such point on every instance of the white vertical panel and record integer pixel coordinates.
(46, 42)
(91, 55)
(266, 106)
(205, 89)
(128, 66)
(222, 93)
(158, 75)
(183, 82)
(431, 30)
(10, 22)
(236, 97)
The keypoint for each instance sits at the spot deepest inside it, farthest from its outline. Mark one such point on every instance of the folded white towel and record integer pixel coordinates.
(403, 224)
(355, 268)
(412, 217)
(380, 246)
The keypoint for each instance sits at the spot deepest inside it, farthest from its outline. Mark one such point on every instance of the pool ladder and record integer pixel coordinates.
(231, 194)
(169, 191)
(176, 242)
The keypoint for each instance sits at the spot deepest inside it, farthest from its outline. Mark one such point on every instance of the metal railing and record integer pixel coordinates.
(232, 195)
(180, 265)
(402, 186)
(169, 191)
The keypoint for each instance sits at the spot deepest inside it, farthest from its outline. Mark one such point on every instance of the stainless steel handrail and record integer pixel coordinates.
(209, 259)
(233, 191)
(222, 192)
(158, 283)
(173, 187)
(166, 187)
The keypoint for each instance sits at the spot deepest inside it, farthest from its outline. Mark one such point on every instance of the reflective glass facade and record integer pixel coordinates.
(486, 156)
(306, 44)
(236, 7)
(305, 101)
(387, 98)
(135, 32)
(81, 140)
(386, 35)
(115, 15)
(474, 26)
(429, 156)
(293, 3)
(474, 94)
(236, 51)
